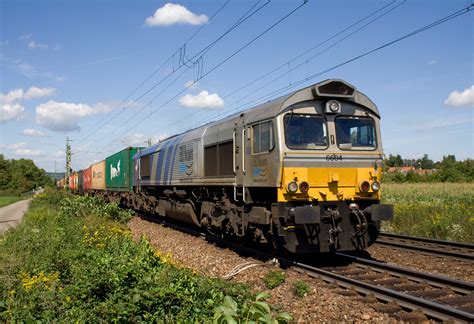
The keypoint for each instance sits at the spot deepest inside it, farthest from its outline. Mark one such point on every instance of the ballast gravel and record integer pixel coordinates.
(321, 304)
(445, 266)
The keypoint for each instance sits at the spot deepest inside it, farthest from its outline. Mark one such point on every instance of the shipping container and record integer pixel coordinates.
(118, 170)
(98, 175)
(76, 180)
(88, 178)
(80, 180)
(71, 181)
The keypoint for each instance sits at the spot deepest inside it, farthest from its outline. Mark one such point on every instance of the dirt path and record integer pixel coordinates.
(11, 215)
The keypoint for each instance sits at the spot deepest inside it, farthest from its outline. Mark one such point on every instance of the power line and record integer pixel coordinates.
(275, 93)
(279, 21)
(156, 70)
(242, 19)
(203, 51)
(309, 50)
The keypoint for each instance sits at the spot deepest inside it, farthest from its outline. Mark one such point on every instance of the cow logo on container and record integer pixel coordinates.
(114, 172)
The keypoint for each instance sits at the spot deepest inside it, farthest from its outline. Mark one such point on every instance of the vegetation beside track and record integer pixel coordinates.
(78, 263)
(8, 200)
(435, 210)
(18, 176)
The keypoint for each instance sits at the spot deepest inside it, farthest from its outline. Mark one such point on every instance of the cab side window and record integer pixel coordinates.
(262, 137)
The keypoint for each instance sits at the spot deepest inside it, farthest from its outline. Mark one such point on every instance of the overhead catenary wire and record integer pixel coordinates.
(306, 52)
(279, 21)
(281, 90)
(156, 70)
(362, 55)
(248, 14)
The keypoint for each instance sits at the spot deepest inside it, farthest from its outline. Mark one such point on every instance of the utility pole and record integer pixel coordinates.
(68, 160)
(55, 172)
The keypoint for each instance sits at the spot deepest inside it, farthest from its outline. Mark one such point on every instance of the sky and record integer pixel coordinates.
(110, 74)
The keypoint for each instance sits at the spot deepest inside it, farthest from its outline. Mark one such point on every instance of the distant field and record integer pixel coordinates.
(8, 200)
(435, 210)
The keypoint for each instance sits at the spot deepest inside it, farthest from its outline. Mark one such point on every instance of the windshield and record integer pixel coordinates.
(305, 132)
(355, 133)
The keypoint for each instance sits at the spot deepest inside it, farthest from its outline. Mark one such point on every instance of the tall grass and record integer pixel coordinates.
(435, 210)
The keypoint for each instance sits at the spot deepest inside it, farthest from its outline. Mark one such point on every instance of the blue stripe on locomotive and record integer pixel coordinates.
(159, 164)
(170, 152)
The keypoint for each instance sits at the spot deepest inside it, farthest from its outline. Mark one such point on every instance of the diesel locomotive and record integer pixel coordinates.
(301, 172)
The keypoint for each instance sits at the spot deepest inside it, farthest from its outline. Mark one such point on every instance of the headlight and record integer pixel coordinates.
(304, 187)
(364, 186)
(334, 106)
(376, 186)
(292, 187)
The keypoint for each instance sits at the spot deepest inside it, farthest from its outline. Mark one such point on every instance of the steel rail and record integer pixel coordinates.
(432, 309)
(428, 240)
(460, 286)
(429, 308)
(439, 247)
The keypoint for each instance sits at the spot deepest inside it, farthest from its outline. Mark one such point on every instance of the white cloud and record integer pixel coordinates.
(58, 154)
(31, 93)
(203, 100)
(172, 13)
(103, 108)
(33, 132)
(432, 62)
(16, 146)
(35, 92)
(191, 84)
(28, 152)
(458, 99)
(32, 45)
(13, 95)
(10, 111)
(32, 72)
(141, 139)
(62, 116)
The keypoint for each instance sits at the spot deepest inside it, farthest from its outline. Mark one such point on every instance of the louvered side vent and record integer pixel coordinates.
(185, 163)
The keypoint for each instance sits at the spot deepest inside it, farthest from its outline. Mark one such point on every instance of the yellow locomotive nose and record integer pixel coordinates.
(329, 184)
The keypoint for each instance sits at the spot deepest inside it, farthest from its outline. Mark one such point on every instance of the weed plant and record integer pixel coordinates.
(436, 210)
(301, 288)
(274, 279)
(78, 263)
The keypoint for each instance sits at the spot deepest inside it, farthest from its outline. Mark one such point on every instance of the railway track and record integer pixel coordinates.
(402, 293)
(429, 246)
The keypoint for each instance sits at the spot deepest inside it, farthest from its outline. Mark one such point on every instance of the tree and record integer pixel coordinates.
(17, 176)
(425, 163)
(394, 161)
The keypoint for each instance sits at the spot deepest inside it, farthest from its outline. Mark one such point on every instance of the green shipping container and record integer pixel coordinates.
(118, 170)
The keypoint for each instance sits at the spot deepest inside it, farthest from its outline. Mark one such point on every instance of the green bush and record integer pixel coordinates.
(77, 264)
(301, 288)
(274, 279)
(85, 205)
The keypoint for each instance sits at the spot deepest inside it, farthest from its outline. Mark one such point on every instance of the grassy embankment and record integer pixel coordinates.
(8, 200)
(78, 263)
(435, 210)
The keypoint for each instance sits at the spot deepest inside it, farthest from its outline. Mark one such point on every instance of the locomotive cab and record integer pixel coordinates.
(331, 159)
